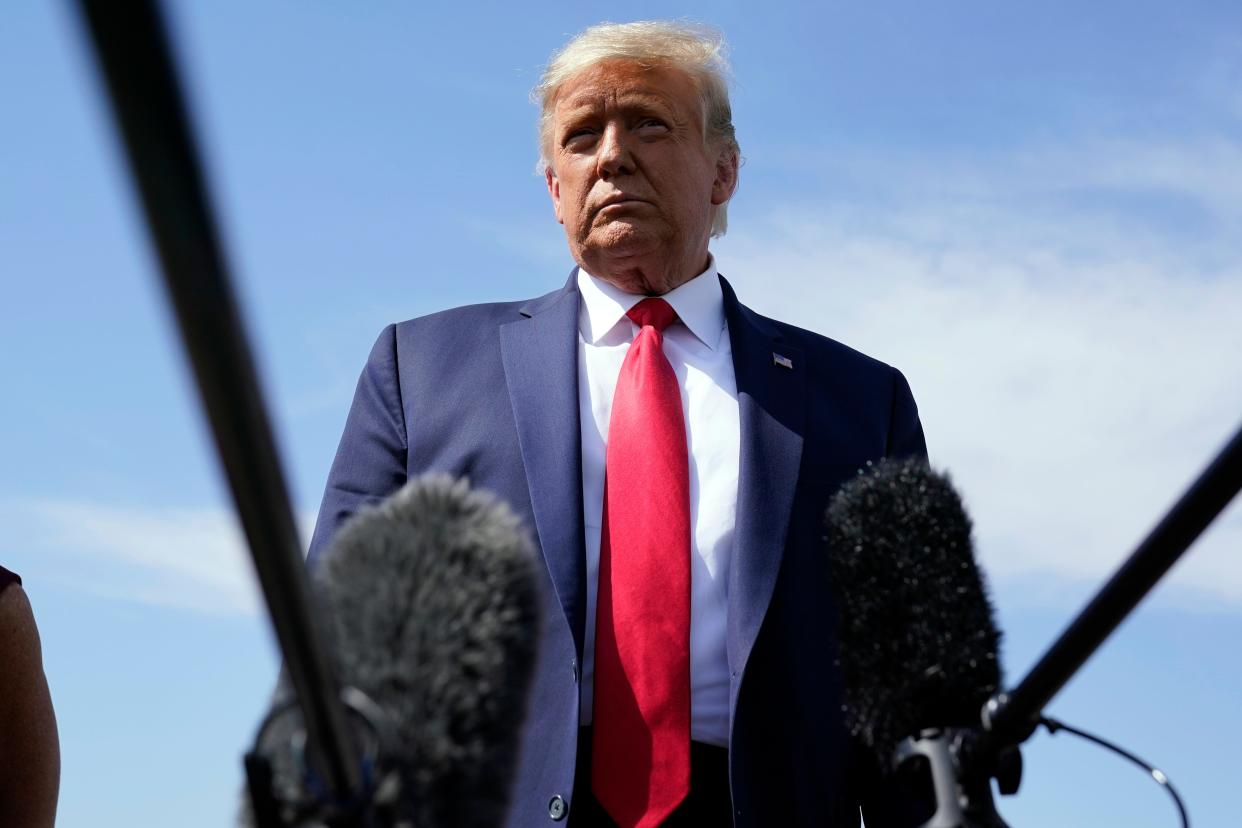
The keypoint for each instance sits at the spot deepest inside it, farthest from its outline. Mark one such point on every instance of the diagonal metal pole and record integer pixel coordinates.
(132, 49)
(1013, 716)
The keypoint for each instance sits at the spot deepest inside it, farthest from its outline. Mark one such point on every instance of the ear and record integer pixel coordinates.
(725, 184)
(554, 191)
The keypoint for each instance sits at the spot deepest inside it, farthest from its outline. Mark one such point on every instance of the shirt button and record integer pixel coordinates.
(557, 809)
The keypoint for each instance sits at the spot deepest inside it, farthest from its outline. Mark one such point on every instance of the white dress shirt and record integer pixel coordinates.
(699, 350)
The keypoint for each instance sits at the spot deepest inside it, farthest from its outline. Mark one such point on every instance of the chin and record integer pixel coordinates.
(616, 234)
(622, 240)
(628, 255)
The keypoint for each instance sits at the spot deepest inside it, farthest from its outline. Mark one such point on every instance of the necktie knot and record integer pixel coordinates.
(653, 311)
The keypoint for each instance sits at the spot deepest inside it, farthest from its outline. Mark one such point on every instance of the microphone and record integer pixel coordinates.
(432, 607)
(918, 640)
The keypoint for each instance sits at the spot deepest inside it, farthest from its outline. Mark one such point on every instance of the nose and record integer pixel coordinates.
(614, 156)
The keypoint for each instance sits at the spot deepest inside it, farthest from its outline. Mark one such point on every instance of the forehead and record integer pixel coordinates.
(627, 82)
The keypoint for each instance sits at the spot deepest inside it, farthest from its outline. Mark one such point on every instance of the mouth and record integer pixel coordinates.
(620, 200)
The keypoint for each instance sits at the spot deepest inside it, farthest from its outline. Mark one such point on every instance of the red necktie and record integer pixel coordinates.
(641, 743)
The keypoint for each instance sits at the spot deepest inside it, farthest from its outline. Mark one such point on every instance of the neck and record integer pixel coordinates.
(647, 277)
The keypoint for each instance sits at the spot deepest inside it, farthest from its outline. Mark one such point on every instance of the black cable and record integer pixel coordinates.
(1053, 726)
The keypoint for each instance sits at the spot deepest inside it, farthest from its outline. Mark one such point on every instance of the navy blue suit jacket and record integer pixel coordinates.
(490, 392)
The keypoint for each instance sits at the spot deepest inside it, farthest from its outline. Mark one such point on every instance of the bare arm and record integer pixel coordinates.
(29, 747)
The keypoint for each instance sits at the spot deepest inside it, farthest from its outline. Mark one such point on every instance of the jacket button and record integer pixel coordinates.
(557, 809)
(574, 666)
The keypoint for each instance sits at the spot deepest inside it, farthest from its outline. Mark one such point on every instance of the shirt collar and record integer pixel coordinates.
(699, 304)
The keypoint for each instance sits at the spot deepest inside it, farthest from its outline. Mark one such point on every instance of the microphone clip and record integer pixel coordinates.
(961, 770)
(286, 790)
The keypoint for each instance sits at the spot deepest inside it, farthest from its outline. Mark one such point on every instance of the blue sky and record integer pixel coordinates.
(1035, 211)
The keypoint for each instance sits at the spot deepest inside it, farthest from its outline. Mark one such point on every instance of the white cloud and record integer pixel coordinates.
(189, 559)
(1207, 170)
(1076, 361)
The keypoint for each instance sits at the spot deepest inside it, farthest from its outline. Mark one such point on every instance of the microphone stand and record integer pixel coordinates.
(132, 49)
(962, 761)
(1010, 718)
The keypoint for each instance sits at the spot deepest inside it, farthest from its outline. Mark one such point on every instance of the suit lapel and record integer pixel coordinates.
(771, 383)
(540, 356)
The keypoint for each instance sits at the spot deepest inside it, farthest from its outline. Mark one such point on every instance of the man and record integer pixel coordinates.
(672, 451)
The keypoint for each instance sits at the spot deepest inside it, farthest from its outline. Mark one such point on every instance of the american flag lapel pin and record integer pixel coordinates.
(784, 362)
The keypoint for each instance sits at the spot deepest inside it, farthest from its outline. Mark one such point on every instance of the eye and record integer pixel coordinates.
(577, 137)
(652, 126)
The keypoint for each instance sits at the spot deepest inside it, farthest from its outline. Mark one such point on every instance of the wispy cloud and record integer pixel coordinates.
(189, 559)
(1076, 359)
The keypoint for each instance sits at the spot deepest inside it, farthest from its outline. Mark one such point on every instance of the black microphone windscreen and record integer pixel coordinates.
(433, 611)
(918, 641)
(435, 608)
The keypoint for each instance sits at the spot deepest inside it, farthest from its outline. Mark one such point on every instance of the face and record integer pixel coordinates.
(630, 176)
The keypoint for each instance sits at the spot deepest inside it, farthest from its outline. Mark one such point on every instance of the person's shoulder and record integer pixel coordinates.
(826, 352)
(445, 336)
(858, 386)
(484, 314)
(19, 637)
(475, 314)
(819, 343)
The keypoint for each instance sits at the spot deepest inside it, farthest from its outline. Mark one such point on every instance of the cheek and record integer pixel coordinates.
(575, 196)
